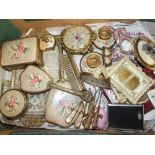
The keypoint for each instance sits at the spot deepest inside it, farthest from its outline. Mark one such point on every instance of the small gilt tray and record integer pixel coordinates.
(129, 80)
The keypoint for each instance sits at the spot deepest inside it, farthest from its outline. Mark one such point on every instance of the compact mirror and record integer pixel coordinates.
(145, 52)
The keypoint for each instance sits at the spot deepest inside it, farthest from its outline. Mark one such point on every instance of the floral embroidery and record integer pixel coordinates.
(11, 103)
(65, 107)
(34, 80)
(18, 50)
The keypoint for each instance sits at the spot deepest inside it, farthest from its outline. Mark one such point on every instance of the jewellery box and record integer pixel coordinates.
(19, 53)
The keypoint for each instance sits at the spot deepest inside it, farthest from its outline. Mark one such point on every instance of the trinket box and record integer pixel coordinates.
(34, 80)
(19, 53)
(12, 103)
(92, 63)
(104, 38)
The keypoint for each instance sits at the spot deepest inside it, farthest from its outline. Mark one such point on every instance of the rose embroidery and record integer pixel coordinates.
(11, 103)
(65, 107)
(34, 80)
(17, 50)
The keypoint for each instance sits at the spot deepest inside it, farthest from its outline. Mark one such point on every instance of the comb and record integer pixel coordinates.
(72, 73)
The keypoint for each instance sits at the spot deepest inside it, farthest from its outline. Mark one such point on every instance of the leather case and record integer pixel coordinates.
(123, 116)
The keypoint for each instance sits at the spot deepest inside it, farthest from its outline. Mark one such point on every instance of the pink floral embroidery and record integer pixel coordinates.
(77, 37)
(11, 103)
(20, 47)
(34, 79)
(66, 106)
(18, 50)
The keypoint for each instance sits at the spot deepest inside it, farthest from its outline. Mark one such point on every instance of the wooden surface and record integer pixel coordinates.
(24, 131)
(23, 25)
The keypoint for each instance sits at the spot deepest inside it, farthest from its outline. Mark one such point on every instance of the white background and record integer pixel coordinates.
(109, 9)
(82, 145)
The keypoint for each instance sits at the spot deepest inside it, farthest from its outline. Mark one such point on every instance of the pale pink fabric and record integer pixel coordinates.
(102, 122)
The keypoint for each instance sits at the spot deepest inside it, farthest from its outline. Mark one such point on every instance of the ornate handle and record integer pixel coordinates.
(87, 110)
(85, 95)
(79, 120)
(72, 114)
(96, 117)
(95, 121)
(88, 120)
(13, 79)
